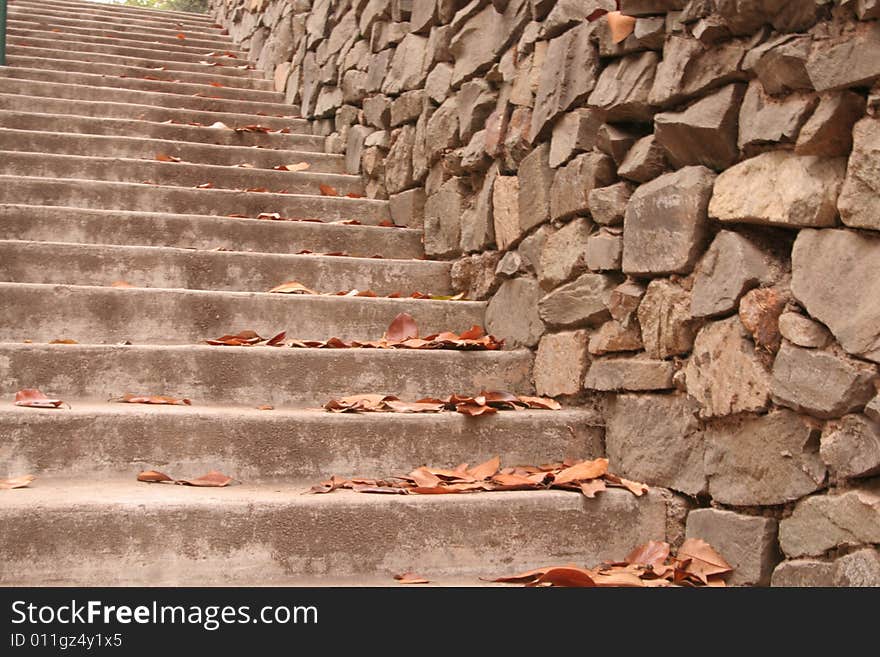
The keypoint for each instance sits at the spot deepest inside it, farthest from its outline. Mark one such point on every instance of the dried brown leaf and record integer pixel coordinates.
(704, 562)
(583, 471)
(213, 479)
(16, 482)
(33, 398)
(411, 578)
(401, 328)
(153, 477)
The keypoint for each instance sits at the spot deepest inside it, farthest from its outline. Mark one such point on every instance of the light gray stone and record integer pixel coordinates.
(634, 374)
(535, 179)
(665, 319)
(560, 363)
(474, 275)
(747, 543)
(656, 439)
(476, 100)
(605, 250)
(763, 459)
(505, 204)
(765, 121)
(565, 253)
(583, 302)
(616, 141)
(851, 446)
(803, 331)
(483, 37)
(804, 573)
(443, 211)
(608, 204)
(829, 130)
(821, 383)
(780, 63)
(398, 164)
(377, 111)
(532, 246)
(408, 208)
(407, 69)
(510, 265)
(438, 82)
(354, 148)
(872, 410)
(441, 132)
(407, 107)
(512, 313)
(477, 227)
(665, 223)
(859, 202)
(850, 60)
(623, 87)
(624, 301)
(569, 193)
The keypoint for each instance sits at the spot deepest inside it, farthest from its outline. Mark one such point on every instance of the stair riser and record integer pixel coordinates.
(85, 117)
(244, 376)
(133, 72)
(109, 316)
(266, 446)
(179, 200)
(116, 12)
(58, 18)
(218, 543)
(58, 224)
(72, 143)
(158, 57)
(86, 264)
(171, 102)
(176, 174)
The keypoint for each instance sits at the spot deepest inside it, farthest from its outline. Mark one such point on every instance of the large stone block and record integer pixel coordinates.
(398, 164)
(725, 374)
(608, 204)
(635, 374)
(665, 319)
(483, 37)
(764, 459)
(408, 208)
(779, 188)
(859, 568)
(829, 131)
(821, 383)
(665, 223)
(583, 302)
(851, 446)
(441, 130)
(505, 211)
(859, 202)
(834, 276)
(443, 211)
(623, 87)
(560, 363)
(474, 275)
(747, 543)
(408, 70)
(565, 253)
(824, 522)
(657, 439)
(780, 63)
(645, 161)
(572, 184)
(605, 250)
(850, 60)
(476, 100)
(535, 179)
(477, 227)
(512, 313)
(575, 132)
(613, 337)
(765, 121)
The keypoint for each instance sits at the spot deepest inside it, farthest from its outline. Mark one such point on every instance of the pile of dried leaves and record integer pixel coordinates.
(485, 403)
(587, 477)
(295, 287)
(402, 333)
(651, 565)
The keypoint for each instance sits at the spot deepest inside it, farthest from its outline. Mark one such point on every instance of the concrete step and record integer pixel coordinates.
(71, 57)
(73, 143)
(93, 194)
(119, 440)
(115, 12)
(60, 16)
(175, 174)
(106, 315)
(167, 267)
(248, 376)
(170, 86)
(59, 224)
(34, 82)
(102, 118)
(210, 74)
(62, 532)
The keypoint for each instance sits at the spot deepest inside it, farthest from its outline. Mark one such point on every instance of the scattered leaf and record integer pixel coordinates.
(621, 26)
(213, 479)
(63, 341)
(704, 562)
(16, 482)
(33, 398)
(129, 398)
(299, 166)
(162, 157)
(652, 553)
(120, 284)
(266, 407)
(216, 84)
(181, 35)
(411, 578)
(401, 328)
(327, 190)
(291, 287)
(153, 477)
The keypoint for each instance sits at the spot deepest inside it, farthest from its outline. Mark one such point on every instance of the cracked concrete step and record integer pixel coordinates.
(211, 74)
(111, 439)
(72, 56)
(169, 86)
(100, 195)
(248, 376)
(108, 118)
(118, 12)
(173, 174)
(71, 143)
(30, 82)
(106, 315)
(59, 16)
(167, 267)
(131, 228)
(273, 535)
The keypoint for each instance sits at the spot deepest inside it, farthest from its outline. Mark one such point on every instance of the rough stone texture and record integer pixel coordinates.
(821, 383)
(442, 130)
(859, 568)
(560, 363)
(483, 37)
(604, 250)
(565, 254)
(408, 208)
(407, 107)
(645, 161)
(477, 228)
(407, 65)
(823, 522)
(872, 410)
(616, 141)
(859, 202)
(759, 312)
(354, 148)
(725, 374)
(623, 87)
(475, 275)
(834, 276)
(569, 73)
(398, 163)
(851, 446)
(665, 222)
(747, 543)
(779, 188)
(569, 193)
(765, 120)
(664, 316)
(613, 337)
(705, 133)
(443, 219)
(513, 313)
(829, 130)
(803, 331)
(535, 179)
(505, 204)
(531, 248)
(573, 133)
(608, 204)
(438, 82)
(636, 374)
(475, 102)
(583, 302)
(624, 301)
(657, 439)
(851, 60)
(781, 63)
(732, 265)
(764, 459)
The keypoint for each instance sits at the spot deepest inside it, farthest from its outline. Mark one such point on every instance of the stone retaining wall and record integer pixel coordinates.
(684, 224)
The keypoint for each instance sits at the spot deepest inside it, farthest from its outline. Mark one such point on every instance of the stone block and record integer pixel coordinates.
(535, 178)
(765, 121)
(604, 250)
(569, 193)
(608, 204)
(823, 522)
(512, 313)
(634, 374)
(565, 253)
(583, 302)
(829, 130)
(859, 202)
(443, 211)
(664, 316)
(560, 363)
(803, 331)
(851, 446)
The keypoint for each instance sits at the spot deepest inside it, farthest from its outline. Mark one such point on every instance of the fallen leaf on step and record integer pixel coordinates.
(705, 562)
(568, 576)
(63, 341)
(652, 553)
(216, 84)
(162, 157)
(213, 479)
(207, 185)
(261, 190)
(253, 128)
(327, 190)
(153, 477)
(621, 26)
(354, 195)
(16, 482)
(582, 471)
(129, 398)
(401, 328)
(299, 166)
(181, 35)
(411, 578)
(291, 287)
(120, 284)
(33, 398)
(265, 407)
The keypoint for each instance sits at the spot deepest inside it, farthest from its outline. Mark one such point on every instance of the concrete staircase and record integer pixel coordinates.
(84, 203)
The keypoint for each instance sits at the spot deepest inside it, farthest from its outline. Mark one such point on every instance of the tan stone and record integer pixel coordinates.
(803, 331)
(512, 313)
(765, 120)
(859, 202)
(635, 374)
(565, 253)
(623, 87)
(608, 204)
(604, 250)
(613, 337)
(664, 316)
(829, 130)
(560, 363)
(583, 302)
(850, 446)
(505, 204)
(535, 179)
